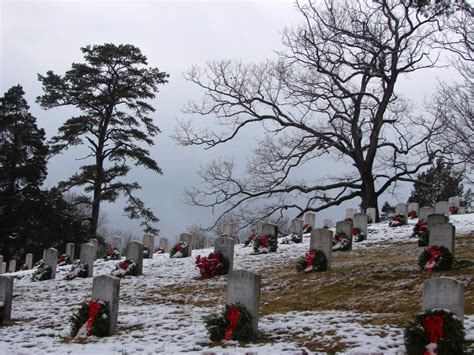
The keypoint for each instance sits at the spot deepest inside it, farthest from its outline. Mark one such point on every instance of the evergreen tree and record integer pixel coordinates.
(110, 89)
(438, 183)
(387, 210)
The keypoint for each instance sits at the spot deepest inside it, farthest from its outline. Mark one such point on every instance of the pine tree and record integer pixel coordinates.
(110, 89)
(438, 183)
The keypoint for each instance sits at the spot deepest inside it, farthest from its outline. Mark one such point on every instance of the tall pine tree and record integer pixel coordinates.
(110, 90)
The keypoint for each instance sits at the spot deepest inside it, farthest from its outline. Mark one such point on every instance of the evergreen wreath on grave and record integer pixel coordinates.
(212, 265)
(91, 319)
(436, 258)
(350, 220)
(307, 228)
(265, 244)
(398, 220)
(78, 269)
(125, 268)
(357, 235)
(235, 323)
(146, 252)
(453, 210)
(412, 215)
(314, 260)
(159, 250)
(112, 254)
(369, 220)
(292, 238)
(39, 264)
(42, 273)
(435, 332)
(341, 242)
(180, 250)
(251, 238)
(64, 259)
(421, 232)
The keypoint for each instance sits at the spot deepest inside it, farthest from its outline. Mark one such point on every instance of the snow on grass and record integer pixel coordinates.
(153, 318)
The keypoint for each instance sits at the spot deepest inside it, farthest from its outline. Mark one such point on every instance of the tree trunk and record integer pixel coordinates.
(369, 196)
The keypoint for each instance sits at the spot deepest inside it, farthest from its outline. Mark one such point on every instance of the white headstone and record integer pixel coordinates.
(135, 252)
(12, 266)
(462, 210)
(321, 239)
(425, 212)
(258, 227)
(297, 226)
(360, 221)
(442, 207)
(372, 213)
(346, 228)
(436, 219)
(6, 295)
(29, 261)
(106, 288)
(310, 218)
(414, 206)
(270, 229)
(244, 287)
(401, 208)
(327, 223)
(350, 212)
(1, 265)
(225, 245)
(51, 260)
(444, 293)
(455, 201)
(95, 243)
(188, 238)
(442, 235)
(229, 230)
(87, 257)
(149, 243)
(117, 242)
(164, 243)
(70, 251)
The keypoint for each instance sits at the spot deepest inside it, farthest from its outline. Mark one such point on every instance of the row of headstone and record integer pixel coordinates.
(149, 244)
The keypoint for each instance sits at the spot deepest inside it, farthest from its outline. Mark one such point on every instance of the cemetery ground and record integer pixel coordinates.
(359, 305)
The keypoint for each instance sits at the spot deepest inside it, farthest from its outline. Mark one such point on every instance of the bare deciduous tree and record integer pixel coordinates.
(332, 93)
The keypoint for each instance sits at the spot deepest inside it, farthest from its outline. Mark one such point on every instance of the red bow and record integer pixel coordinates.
(434, 327)
(232, 316)
(123, 265)
(178, 247)
(355, 231)
(435, 254)
(264, 242)
(93, 309)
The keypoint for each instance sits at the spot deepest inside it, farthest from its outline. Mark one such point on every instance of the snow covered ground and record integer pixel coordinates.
(151, 321)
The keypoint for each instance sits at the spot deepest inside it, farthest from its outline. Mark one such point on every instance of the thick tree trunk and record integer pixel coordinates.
(368, 195)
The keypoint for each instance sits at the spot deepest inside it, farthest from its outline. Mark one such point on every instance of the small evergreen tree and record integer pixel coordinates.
(110, 89)
(438, 183)
(387, 210)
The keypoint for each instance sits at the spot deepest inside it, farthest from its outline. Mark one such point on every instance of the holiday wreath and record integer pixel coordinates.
(159, 250)
(420, 231)
(78, 270)
(91, 319)
(436, 258)
(292, 238)
(112, 254)
(265, 244)
(435, 332)
(42, 273)
(314, 260)
(307, 228)
(357, 235)
(64, 259)
(125, 268)
(453, 210)
(235, 323)
(341, 242)
(180, 250)
(212, 265)
(412, 215)
(251, 238)
(398, 220)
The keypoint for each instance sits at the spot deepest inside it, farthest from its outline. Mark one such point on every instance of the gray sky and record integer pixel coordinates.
(37, 36)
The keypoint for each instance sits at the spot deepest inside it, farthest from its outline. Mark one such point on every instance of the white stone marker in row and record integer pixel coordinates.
(135, 252)
(225, 245)
(6, 295)
(149, 243)
(310, 218)
(106, 288)
(117, 242)
(425, 212)
(244, 287)
(401, 208)
(434, 219)
(321, 239)
(346, 228)
(258, 227)
(414, 206)
(442, 207)
(270, 229)
(455, 201)
(372, 213)
(443, 235)
(87, 257)
(297, 226)
(444, 293)
(51, 260)
(29, 261)
(229, 230)
(1, 265)
(95, 243)
(165, 244)
(70, 251)
(360, 221)
(327, 223)
(350, 212)
(12, 266)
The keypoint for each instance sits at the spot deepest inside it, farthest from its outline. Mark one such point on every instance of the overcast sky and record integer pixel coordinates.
(37, 36)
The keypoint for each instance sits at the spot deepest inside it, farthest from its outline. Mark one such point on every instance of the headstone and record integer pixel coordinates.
(70, 250)
(442, 207)
(435, 219)
(95, 243)
(321, 239)
(442, 235)
(225, 245)
(258, 227)
(209, 244)
(414, 206)
(455, 201)
(444, 293)
(425, 212)
(1, 265)
(350, 212)
(164, 243)
(87, 257)
(270, 229)
(244, 287)
(346, 227)
(106, 288)
(51, 260)
(310, 218)
(401, 208)
(117, 242)
(297, 226)
(360, 221)
(186, 237)
(149, 243)
(462, 210)
(6, 295)
(327, 223)
(372, 213)
(135, 252)
(12, 266)
(29, 261)
(229, 230)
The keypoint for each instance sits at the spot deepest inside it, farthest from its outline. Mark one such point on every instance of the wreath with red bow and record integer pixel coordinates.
(125, 268)
(112, 254)
(42, 273)
(64, 259)
(91, 319)
(180, 250)
(435, 332)
(78, 270)
(159, 250)
(212, 265)
(421, 232)
(235, 323)
(398, 220)
(265, 244)
(314, 260)
(412, 215)
(341, 242)
(357, 235)
(307, 228)
(436, 258)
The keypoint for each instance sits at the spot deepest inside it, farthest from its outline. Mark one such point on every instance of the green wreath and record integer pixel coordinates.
(100, 325)
(316, 258)
(436, 258)
(128, 267)
(218, 325)
(418, 333)
(78, 269)
(181, 247)
(341, 242)
(42, 274)
(421, 232)
(265, 241)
